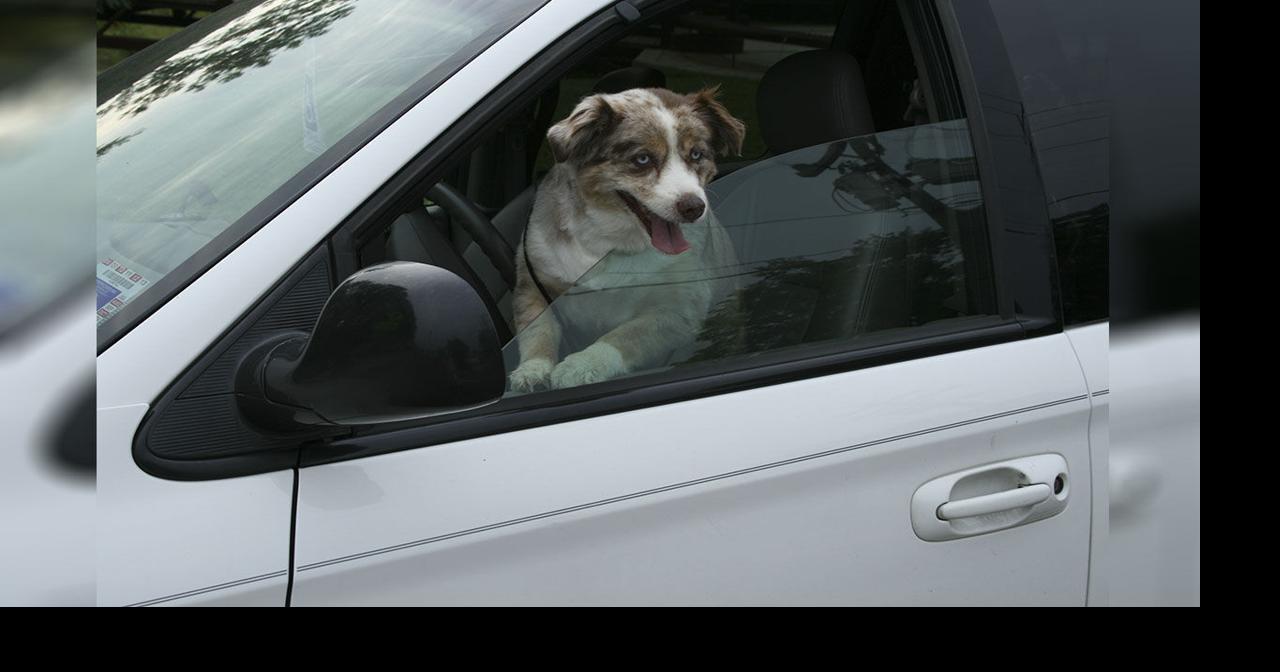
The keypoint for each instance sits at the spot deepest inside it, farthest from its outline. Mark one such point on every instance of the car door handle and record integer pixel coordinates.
(995, 502)
(991, 497)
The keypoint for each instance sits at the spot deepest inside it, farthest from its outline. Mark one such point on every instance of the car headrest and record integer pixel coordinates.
(634, 77)
(787, 101)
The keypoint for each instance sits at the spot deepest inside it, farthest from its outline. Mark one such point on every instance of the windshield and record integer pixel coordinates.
(204, 137)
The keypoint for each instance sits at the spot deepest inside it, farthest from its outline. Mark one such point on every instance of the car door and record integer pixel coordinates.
(798, 474)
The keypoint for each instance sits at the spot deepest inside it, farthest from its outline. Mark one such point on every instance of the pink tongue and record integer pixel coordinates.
(667, 237)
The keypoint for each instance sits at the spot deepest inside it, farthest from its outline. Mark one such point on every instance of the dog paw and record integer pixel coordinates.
(532, 375)
(597, 363)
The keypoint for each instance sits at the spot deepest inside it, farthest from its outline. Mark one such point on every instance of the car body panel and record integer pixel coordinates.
(718, 500)
(160, 540)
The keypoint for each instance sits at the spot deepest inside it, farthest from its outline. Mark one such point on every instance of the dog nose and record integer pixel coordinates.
(690, 207)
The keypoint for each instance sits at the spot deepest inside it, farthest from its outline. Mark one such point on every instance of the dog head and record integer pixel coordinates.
(642, 159)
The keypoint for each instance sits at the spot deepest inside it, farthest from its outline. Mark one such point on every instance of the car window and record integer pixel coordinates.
(825, 244)
(198, 133)
(852, 209)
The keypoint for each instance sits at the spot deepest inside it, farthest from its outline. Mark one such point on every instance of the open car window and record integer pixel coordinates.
(833, 243)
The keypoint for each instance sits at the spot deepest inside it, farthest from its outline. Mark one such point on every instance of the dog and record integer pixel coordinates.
(628, 187)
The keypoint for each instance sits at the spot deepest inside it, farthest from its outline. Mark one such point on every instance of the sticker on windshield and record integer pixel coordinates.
(118, 282)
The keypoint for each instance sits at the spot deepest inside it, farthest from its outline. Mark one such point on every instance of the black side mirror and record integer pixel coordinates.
(396, 341)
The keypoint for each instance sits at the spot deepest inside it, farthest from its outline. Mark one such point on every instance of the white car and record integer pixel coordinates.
(306, 217)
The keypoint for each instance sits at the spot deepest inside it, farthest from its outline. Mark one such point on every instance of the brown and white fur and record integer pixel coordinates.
(629, 179)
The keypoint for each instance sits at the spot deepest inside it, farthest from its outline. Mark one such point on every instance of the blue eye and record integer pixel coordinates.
(642, 159)
(696, 155)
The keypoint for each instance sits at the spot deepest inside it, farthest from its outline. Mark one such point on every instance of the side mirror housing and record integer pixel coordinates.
(395, 341)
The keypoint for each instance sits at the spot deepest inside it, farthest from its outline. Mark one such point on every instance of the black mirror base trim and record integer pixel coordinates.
(195, 430)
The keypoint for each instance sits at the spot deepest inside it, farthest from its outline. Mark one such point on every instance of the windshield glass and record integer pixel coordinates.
(205, 136)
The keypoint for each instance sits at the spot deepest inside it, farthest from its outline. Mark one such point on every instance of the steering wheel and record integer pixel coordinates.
(473, 221)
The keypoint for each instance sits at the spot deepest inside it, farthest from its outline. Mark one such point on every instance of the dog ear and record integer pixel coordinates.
(727, 131)
(579, 135)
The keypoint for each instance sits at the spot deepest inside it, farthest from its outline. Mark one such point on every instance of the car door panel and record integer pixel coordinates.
(793, 493)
